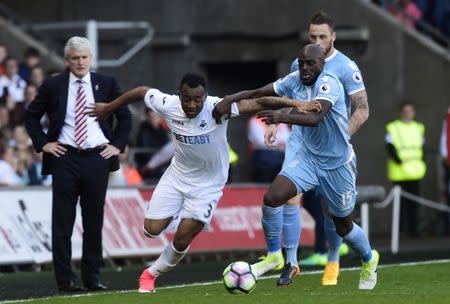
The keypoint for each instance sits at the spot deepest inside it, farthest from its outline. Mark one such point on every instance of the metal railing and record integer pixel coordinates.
(92, 27)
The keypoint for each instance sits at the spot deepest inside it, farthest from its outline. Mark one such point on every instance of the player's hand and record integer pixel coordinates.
(269, 117)
(55, 148)
(109, 151)
(99, 110)
(313, 106)
(222, 109)
(270, 136)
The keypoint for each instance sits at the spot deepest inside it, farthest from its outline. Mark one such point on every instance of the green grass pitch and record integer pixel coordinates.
(405, 283)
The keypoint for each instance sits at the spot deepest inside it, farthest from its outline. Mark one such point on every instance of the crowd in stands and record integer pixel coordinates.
(431, 17)
(19, 81)
(21, 78)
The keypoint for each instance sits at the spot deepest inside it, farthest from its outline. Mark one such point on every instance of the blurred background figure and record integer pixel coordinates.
(36, 76)
(153, 136)
(405, 138)
(444, 148)
(31, 59)
(9, 165)
(3, 56)
(34, 176)
(12, 86)
(266, 162)
(127, 175)
(406, 11)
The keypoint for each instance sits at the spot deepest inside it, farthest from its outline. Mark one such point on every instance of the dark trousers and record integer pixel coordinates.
(76, 175)
(311, 202)
(409, 209)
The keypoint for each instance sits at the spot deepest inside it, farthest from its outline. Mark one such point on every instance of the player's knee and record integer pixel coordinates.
(343, 228)
(273, 199)
(150, 230)
(181, 241)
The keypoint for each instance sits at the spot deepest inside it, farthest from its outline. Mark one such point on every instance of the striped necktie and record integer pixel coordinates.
(80, 117)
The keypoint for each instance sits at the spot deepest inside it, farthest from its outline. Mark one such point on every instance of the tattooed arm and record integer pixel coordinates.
(360, 111)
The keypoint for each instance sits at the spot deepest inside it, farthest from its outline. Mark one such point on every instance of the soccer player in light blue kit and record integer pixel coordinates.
(321, 32)
(325, 160)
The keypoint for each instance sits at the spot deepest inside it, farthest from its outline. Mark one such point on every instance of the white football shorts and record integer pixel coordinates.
(173, 198)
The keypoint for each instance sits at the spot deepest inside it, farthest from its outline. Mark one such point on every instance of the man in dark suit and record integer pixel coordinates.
(79, 153)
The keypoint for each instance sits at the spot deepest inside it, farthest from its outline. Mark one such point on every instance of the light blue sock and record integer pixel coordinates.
(272, 222)
(358, 240)
(291, 232)
(334, 239)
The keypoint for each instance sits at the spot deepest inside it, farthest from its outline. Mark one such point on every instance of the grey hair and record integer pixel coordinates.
(76, 43)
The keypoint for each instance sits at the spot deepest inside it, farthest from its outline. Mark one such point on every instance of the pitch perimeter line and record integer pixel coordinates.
(442, 261)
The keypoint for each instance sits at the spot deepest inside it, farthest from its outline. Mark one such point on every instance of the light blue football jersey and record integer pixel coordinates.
(328, 144)
(346, 71)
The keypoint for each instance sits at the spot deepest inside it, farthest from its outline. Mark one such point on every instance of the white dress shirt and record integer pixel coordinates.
(95, 136)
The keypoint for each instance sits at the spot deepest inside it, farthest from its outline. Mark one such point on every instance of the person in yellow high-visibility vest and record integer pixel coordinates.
(404, 142)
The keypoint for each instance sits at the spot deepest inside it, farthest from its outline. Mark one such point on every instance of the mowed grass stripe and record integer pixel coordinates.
(399, 283)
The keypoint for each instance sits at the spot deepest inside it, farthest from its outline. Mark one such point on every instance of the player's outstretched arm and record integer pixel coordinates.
(224, 106)
(311, 119)
(246, 106)
(103, 110)
(360, 111)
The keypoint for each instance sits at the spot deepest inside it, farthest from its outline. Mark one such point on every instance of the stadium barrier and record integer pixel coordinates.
(394, 198)
(25, 222)
(25, 225)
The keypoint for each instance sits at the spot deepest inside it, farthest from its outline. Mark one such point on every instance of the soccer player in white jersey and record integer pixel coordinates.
(188, 192)
(325, 160)
(321, 32)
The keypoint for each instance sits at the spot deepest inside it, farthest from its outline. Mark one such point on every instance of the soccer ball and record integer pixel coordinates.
(238, 278)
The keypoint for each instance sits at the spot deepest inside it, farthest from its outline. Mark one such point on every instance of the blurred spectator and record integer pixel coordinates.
(5, 127)
(444, 149)
(36, 76)
(18, 113)
(152, 134)
(33, 174)
(266, 161)
(3, 56)
(445, 156)
(12, 86)
(127, 175)
(407, 11)
(8, 167)
(31, 58)
(20, 138)
(404, 143)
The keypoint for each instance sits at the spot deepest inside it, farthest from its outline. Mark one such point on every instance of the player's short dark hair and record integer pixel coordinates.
(321, 17)
(193, 80)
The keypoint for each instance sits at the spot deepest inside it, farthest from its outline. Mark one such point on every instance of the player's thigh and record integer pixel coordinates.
(280, 191)
(339, 189)
(200, 204)
(166, 201)
(188, 229)
(153, 228)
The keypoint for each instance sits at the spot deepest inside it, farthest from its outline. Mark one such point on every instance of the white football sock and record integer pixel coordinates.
(168, 259)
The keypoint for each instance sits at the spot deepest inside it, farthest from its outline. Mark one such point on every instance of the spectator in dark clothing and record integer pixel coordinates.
(151, 134)
(32, 58)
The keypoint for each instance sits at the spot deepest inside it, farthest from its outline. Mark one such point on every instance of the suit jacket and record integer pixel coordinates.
(52, 99)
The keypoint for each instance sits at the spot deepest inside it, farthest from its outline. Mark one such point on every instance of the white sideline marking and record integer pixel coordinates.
(217, 282)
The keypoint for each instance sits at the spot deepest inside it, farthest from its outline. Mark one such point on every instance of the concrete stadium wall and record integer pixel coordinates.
(397, 65)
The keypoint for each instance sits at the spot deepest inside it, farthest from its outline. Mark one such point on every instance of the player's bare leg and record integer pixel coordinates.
(187, 230)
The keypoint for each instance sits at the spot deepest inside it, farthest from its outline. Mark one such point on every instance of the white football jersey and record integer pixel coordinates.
(201, 148)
